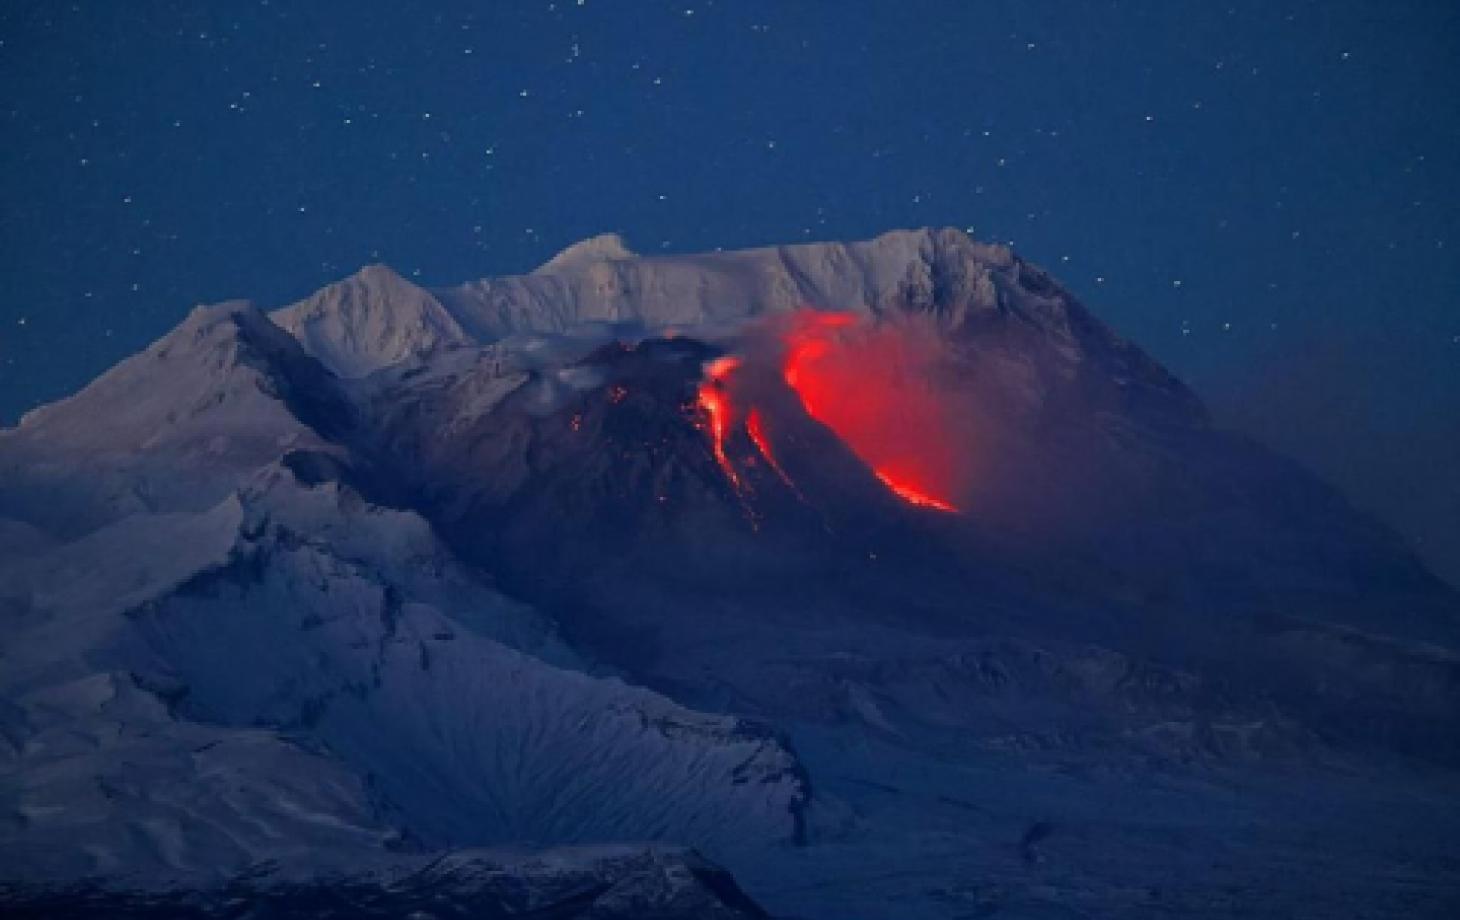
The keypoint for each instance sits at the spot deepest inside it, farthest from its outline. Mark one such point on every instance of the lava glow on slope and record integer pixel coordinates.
(868, 383)
(714, 399)
(911, 495)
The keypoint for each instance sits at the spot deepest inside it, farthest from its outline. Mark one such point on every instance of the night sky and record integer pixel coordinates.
(1264, 193)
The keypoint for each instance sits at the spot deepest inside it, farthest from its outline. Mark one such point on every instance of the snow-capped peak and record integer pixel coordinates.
(372, 319)
(605, 247)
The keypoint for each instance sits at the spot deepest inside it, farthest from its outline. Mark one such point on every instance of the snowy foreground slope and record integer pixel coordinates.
(397, 599)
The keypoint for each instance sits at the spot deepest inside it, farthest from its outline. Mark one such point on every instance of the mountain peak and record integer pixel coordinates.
(372, 319)
(605, 247)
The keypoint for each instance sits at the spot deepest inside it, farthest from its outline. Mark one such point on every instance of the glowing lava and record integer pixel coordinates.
(913, 496)
(714, 399)
(871, 385)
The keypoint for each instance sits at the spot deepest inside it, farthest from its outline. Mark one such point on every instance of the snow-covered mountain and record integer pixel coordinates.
(371, 320)
(582, 557)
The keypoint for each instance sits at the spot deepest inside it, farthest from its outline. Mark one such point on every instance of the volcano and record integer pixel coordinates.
(882, 577)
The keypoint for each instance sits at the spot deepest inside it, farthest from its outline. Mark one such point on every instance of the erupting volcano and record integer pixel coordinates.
(870, 384)
(341, 604)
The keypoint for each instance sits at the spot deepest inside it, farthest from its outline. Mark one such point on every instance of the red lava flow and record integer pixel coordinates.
(714, 399)
(870, 385)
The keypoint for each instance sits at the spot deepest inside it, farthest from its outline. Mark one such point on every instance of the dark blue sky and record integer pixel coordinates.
(1262, 192)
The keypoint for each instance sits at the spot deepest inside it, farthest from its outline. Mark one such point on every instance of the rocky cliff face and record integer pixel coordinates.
(580, 557)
